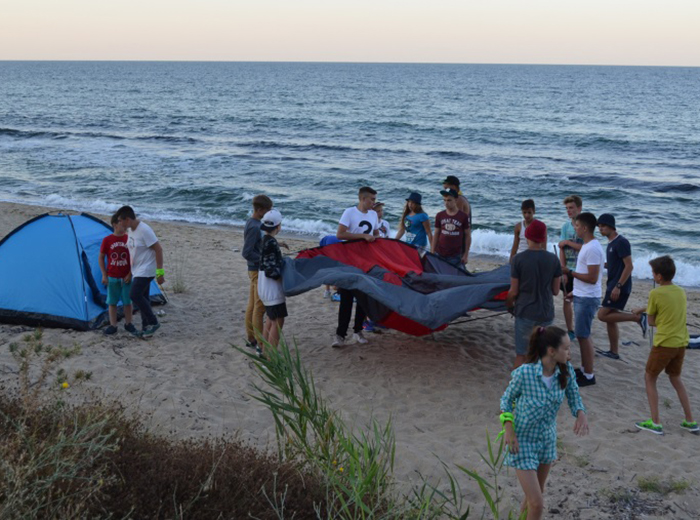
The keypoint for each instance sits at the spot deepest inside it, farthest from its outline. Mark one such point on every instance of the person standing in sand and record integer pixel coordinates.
(535, 278)
(270, 280)
(667, 311)
(587, 292)
(252, 248)
(569, 246)
(146, 256)
(357, 223)
(414, 226)
(618, 256)
(450, 239)
(384, 228)
(520, 243)
(529, 408)
(452, 183)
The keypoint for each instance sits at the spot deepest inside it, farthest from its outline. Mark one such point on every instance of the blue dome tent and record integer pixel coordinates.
(50, 276)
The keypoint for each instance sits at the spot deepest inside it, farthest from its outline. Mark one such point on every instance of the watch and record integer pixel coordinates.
(619, 286)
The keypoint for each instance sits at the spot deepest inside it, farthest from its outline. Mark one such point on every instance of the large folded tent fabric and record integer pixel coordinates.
(50, 275)
(398, 287)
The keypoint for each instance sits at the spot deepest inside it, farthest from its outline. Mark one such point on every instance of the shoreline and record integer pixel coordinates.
(441, 391)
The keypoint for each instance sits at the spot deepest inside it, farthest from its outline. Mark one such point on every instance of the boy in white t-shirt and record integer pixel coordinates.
(384, 228)
(146, 264)
(357, 222)
(587, 292)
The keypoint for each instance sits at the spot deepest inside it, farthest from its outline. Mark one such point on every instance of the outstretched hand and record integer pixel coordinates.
(581, 424)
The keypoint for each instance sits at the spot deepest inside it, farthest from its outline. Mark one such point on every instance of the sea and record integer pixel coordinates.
(196, 141)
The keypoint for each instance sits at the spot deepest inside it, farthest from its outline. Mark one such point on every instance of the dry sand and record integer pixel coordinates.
(442, 391)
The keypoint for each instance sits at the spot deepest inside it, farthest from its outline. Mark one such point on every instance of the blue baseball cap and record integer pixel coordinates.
(415, 197)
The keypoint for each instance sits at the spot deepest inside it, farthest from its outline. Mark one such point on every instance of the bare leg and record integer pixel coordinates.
(276, 329)
(652, 396)
(568, 314)
(587, 354)
(128, 314)
(682, 396)
(113, 315)
(266, 330)
(529, 481)
(611, 317)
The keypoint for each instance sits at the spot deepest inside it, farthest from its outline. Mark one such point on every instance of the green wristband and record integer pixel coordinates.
(506, 417)
(160, 272)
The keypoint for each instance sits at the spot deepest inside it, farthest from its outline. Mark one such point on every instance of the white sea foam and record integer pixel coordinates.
(686, 273)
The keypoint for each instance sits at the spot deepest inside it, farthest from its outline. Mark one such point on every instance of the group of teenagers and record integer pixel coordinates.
(542, 375)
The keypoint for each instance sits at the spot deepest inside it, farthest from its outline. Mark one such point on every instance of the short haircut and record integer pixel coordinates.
(262, 202)
(366, 190)
(588, 220)
(114, 220)
(664, 266)
(575, 199)
(528, 204)
(125, 212)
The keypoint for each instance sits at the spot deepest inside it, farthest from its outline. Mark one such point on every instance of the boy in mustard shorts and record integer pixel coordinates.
(666, 311)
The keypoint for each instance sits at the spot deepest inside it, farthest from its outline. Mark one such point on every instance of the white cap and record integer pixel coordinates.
(271, 220)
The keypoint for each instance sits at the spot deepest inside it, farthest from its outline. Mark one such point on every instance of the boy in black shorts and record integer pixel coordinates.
(270, 279)
(619, 264)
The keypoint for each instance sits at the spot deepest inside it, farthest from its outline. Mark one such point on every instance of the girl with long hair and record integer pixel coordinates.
(415, 223)
(529, 409)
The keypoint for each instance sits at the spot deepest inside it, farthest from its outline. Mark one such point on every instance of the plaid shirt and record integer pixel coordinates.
(536, 406)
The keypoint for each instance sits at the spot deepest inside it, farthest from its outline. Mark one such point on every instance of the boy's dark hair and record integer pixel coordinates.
(528, 204)
(262, 202)
(664, 266)
(366, 190)
(588, 220)
(114, 220)
(125, 212)
(540, 340)
(575, 199)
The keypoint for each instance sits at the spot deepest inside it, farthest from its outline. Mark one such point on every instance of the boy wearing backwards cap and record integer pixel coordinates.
(384, 228)
(618, 257)
(450, 239)
(270, 279)
(535, 278)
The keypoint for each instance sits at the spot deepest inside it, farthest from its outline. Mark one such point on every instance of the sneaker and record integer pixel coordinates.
(335, 297)
(691, 426)
(358, 337)
(572, 335)
(260, 352)
(327, 294)
(368, 326)
(110, 330)
(129, 327)
(644, 323)
(584, 381)
(338, 342)
(150, 330)
(650, 426)
(609, 354)
(251, 344)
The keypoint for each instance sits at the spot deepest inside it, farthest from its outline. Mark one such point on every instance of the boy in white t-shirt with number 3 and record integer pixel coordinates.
(357, 222)
(146, 263)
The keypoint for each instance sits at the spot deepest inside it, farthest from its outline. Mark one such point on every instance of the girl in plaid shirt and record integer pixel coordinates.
(529, 409)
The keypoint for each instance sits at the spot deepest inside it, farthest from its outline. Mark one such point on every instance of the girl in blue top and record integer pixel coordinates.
(529, 412)
(415, 223)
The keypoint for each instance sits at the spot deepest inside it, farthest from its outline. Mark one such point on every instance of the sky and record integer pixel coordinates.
(611, 32)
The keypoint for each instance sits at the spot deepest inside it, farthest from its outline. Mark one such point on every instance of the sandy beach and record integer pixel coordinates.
(442, 391)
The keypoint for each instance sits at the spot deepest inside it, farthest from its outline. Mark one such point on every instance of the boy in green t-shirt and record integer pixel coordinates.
(666, 311)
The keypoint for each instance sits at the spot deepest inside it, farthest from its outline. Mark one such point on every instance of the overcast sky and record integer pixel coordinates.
(608, 32)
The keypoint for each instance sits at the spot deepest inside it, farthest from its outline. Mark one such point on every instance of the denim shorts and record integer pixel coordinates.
(523, 331)
(584, 312)
(118, 290)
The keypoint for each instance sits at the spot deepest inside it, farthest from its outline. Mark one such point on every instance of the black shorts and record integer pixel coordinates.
(619, 304)
(569, 287)
(275, 312)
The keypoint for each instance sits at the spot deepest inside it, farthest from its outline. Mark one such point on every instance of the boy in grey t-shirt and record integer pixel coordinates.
(535, 278)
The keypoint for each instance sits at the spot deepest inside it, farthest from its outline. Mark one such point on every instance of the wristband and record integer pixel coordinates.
(506, 417)
(160, 272)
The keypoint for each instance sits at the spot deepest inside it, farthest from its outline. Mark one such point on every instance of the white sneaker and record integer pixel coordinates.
(338, 342)
(327, 294)
(358, 337)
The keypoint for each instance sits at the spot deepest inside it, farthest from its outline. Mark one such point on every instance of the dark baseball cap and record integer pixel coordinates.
(449, 193)
(451, 180)
(415, 197)
(606, 219)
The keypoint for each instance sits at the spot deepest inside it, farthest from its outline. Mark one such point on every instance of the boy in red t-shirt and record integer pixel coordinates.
(451, 239)
(116, 275)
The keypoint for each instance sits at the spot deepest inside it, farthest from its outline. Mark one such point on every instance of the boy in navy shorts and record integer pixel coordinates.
(116, 275)
(618, 256)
